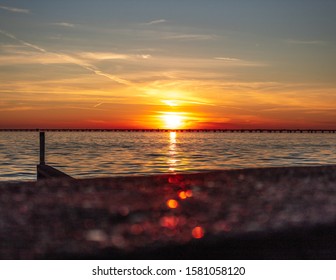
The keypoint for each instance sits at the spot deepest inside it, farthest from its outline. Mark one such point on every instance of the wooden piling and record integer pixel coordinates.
(42, 148)
(45, 171)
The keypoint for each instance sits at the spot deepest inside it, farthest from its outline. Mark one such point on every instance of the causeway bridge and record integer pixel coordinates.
(172, 130)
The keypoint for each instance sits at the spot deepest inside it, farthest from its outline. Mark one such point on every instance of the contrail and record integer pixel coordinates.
(97, 105)
(70, 59)
(23, 42)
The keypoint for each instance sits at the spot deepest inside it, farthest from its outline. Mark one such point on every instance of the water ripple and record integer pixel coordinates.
(85, 154)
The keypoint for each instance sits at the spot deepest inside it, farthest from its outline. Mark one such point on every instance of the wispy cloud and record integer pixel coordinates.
(70, 59)
(64, 24)
(190, 37)
(144, 56)
(18, 108)
(15, 10)
(232, 61)
(229, 59)
(102, 55)
(16, 57)
(156, 21)
(306, 42)
(97, 105)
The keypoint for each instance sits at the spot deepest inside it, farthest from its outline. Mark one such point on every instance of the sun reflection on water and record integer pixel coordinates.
(172, 161)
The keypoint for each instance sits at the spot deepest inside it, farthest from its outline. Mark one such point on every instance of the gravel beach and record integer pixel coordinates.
(266, 213)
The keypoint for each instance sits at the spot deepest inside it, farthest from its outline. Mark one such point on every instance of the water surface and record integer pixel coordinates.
(92, 154)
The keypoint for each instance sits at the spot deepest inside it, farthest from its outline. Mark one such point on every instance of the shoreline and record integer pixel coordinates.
(183, 172)
(259, 213)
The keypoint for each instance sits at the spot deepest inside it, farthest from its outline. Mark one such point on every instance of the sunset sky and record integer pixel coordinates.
(167, 64)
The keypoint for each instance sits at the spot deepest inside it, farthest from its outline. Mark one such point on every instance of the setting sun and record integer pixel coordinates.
(167, 74)
(172, 120)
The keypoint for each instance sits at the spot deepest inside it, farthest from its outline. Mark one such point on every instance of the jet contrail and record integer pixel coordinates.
(23, 42)
(70, 59)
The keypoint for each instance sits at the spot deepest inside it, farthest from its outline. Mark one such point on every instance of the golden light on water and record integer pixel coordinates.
(172, 161)
(172, 139)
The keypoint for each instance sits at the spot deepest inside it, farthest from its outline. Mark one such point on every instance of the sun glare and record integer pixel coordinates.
(172, 120)
(171, 103)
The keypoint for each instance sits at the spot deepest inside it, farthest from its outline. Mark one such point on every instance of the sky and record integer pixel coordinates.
(168, 64)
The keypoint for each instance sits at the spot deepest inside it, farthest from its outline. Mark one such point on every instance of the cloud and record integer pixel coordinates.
(306, 42)
(64, 24)
(229, 59)
(70, 59)
(29, 57)
(197, 63)
(18, 108)
(102, 55)
(156, 21)
(232, 61)
(19, 54)
(97, 105)
(190, 37)
(144, 56)
(15, 10)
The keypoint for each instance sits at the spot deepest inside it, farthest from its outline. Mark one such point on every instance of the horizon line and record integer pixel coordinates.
(174, 130)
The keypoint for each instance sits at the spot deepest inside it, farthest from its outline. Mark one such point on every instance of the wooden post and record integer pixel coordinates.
(42, 148)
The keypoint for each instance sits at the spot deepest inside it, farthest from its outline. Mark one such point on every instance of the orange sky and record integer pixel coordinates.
(162, 65)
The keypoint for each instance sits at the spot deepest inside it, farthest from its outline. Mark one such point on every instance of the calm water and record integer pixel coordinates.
(91, 154)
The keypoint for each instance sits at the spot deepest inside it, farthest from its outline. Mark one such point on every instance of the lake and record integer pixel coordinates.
(93, 154)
